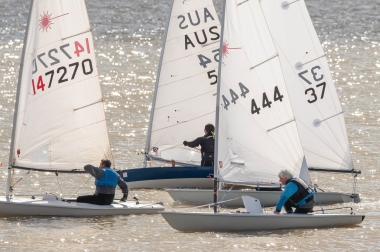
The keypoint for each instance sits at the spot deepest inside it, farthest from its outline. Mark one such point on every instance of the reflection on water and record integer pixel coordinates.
(127, 37)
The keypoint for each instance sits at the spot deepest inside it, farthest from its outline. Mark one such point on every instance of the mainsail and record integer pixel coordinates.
(255, 117)
(315, 103)
(59, 117)
(185, 91)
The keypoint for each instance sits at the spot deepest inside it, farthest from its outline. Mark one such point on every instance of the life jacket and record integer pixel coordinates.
(207, 148)
(302, 192)
(109, 179)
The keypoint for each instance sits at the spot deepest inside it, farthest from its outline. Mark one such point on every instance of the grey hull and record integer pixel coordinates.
(267, 198)
(243, 222)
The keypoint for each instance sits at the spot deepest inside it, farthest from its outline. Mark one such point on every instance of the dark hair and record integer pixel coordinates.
(106, 163)
(209, 128)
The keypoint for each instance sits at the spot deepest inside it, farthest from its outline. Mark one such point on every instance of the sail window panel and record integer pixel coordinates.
(171, 136)
(179, 154)
(206, 44)
(200, 16)
(248, 29)
(42, 155)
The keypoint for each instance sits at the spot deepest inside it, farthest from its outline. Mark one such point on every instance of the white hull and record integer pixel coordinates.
(235, 222)
(57, 207)
(267, 198)
(172, 183)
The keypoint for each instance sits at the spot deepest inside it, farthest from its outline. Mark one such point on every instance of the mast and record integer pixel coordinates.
(146, 151)
(11, 154)
(216, 163)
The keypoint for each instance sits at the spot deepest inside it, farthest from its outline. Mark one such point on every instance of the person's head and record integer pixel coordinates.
(284, 176)
(105, 163)
(209, 128)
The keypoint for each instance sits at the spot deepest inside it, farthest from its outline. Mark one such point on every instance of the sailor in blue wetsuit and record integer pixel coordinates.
(106, 180)
(296, 194)
(207, 143)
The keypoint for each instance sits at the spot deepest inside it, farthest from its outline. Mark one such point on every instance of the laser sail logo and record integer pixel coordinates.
(46, 21)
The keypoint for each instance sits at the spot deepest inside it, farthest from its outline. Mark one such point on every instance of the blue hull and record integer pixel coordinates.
(169, 177)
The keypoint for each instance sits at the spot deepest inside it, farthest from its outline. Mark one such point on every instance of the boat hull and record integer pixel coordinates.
(169, 177)
(243, 222)
(267, 198)
(57, 207)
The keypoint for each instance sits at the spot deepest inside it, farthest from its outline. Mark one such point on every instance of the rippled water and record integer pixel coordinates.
(128, 37)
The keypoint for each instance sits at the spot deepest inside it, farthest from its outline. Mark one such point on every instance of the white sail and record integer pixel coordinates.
(60, 116)
(318, 112)
(185, 91)
(256, 121)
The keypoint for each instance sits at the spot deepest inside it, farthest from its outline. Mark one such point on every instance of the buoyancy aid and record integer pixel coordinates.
(109, 179)
(302, 192)
(207, 148)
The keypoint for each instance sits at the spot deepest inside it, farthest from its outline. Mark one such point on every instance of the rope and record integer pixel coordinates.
(319, 201)
(227, 193)
(261, 199)
(12, 186)
(216, 203)
(59, 184)
(354, 183)
(80, 187)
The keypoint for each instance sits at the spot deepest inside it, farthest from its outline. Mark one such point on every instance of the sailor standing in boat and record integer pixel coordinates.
(106, 181)
(207, 143)
(296, 194)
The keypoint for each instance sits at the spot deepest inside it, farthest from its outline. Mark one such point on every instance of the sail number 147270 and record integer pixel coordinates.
(63, 73)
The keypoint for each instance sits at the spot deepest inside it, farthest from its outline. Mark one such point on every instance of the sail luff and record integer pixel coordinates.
(11, 152)
(147, 145)
(216, 154)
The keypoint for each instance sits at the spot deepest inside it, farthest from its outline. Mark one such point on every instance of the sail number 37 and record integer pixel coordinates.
(317, 78)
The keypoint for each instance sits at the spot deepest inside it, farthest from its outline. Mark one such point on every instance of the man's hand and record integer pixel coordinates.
(185, 143)
(125, 196)
(276, 212)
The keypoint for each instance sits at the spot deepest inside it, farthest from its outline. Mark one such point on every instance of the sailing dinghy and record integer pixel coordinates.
(320, 121)
(59, 122)
(255, 120)
(183, 101)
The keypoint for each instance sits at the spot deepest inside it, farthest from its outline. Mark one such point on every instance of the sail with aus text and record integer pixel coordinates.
(185, 92)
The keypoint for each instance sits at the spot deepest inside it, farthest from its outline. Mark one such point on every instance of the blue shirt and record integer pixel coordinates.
(289, 190)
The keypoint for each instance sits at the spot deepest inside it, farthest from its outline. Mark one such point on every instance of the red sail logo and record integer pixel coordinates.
(46, 21)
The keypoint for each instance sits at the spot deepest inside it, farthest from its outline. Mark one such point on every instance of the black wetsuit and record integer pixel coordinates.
(207, 143)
